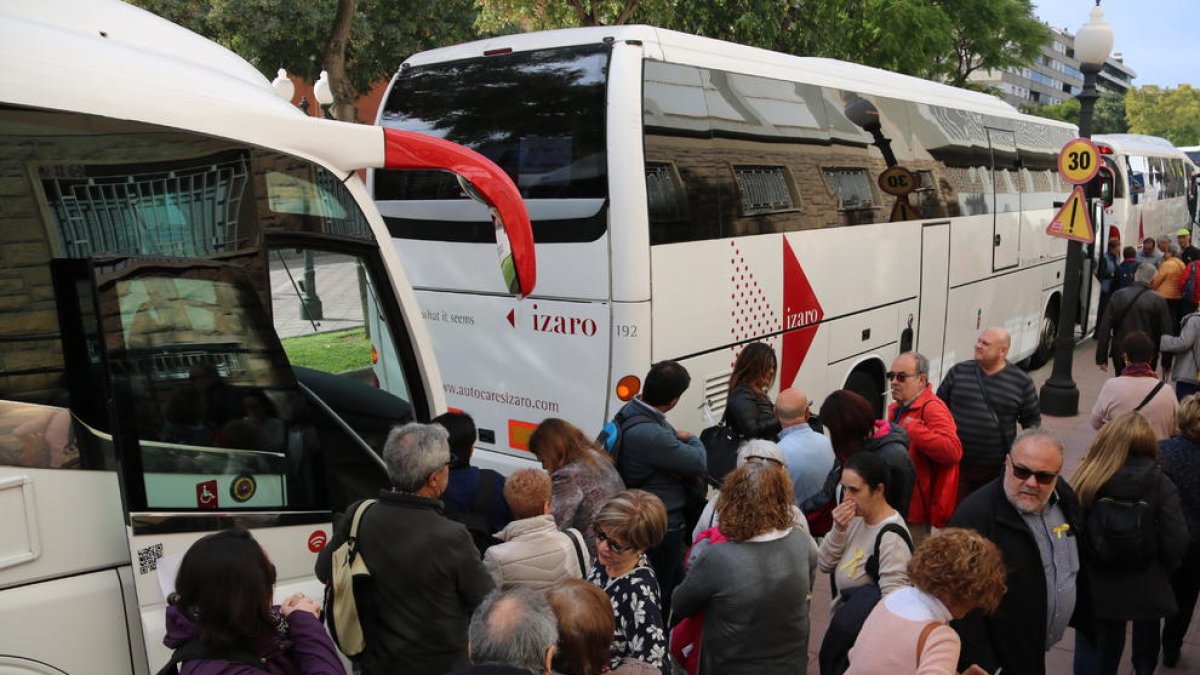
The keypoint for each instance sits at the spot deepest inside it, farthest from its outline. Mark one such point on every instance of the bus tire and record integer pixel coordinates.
(863, 384)
(1047, 336)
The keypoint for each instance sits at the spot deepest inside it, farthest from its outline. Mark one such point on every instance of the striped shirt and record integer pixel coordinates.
(987, 438)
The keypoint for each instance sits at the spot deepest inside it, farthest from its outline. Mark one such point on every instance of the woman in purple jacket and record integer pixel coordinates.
(220, 620)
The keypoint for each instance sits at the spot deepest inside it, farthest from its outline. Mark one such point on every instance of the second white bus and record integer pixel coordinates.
(689, 196)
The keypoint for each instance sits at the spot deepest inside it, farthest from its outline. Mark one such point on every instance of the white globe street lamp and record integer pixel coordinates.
(284, 86)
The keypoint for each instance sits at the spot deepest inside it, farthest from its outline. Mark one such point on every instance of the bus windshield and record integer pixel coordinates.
(538, 115)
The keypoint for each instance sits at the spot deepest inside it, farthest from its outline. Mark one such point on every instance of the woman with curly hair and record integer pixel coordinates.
(1128, 580)
(952, 573)
(220, 620)
(753, 588)
(749, 410)
(582, 477)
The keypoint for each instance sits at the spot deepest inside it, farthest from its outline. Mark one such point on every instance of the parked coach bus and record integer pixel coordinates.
(1148, 186)
(157, 379)
(689, 196)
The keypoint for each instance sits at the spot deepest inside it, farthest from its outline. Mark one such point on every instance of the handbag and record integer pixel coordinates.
(721, 443)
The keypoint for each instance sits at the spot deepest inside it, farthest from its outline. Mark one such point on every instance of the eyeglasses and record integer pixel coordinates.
(613, 546)
(1022, 473)
(760, 459)
(900, 377)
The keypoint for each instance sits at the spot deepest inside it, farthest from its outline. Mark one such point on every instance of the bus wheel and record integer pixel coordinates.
(1047, 335)
(868, 387)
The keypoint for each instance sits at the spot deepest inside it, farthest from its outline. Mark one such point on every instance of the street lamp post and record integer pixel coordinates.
(311, 308)
(324, 94)
(1060, 396)
(864, 113)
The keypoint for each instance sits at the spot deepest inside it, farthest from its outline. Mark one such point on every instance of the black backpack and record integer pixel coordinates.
(476, 517)
(1122, 534)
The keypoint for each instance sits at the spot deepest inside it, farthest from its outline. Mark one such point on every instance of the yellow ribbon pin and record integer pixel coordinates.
(1061, 530)
(850, 566)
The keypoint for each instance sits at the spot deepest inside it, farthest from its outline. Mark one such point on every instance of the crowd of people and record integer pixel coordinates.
(952, 541)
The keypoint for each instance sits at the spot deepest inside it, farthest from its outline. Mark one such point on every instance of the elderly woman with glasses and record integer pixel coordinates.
(752, 588)
(626, 526)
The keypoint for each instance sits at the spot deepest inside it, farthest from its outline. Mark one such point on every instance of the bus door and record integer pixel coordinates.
(186, 380)
(935, 285)
(1006, 196)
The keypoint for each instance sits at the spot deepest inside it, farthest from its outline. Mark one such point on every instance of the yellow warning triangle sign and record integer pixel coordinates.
(1073, 220)
(902, 210)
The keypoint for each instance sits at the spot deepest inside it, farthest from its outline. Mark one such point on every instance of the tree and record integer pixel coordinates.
(1173, 114)
(1107, 118)
(990, 35)
(297, 36)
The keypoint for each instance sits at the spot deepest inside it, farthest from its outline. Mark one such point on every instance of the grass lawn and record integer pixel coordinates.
(332, 352)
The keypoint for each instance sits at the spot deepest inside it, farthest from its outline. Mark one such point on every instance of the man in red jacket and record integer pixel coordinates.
(933, 443)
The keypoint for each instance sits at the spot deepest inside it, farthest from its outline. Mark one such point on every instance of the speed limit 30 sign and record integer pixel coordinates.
(1079, 161)
(897, 181)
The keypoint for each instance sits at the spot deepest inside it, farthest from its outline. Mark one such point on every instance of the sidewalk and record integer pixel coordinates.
(1076, 433)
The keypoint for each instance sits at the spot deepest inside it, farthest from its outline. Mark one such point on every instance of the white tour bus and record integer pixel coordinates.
(1146, 187)
(690, 195)
(165, 217)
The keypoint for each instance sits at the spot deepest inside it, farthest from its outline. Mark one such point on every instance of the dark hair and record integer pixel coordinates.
(1138, 347)
(849, 418)
(666, 381)
(1129, 252)
(754, 367)
(870, 467)
(224, 584)
(461, 429)
(1148, 239)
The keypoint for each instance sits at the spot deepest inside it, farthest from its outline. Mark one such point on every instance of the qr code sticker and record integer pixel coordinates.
(148, 558)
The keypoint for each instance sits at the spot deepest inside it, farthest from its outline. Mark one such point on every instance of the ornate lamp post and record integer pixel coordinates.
(324, 94)
(1060, 396)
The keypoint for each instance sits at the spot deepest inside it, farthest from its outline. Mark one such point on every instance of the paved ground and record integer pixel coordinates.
(1076, 433)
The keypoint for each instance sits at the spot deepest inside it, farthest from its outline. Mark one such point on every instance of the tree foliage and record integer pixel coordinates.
(934, 39)
(273, 35)
(1107, 118)
(1173, 114)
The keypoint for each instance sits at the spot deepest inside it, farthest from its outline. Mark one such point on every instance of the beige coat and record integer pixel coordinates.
(535, 554)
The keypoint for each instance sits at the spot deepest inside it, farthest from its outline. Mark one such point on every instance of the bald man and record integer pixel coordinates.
(988, 397)
(809, 454)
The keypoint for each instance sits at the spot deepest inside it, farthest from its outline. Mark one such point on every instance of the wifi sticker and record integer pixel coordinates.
(316, 541)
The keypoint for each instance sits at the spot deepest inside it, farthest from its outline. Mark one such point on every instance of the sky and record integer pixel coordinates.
(1159, 38)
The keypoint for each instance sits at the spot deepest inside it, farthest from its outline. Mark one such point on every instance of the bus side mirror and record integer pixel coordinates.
(1106, 185)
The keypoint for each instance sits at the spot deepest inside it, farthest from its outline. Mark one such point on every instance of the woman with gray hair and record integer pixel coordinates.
(1167, 282)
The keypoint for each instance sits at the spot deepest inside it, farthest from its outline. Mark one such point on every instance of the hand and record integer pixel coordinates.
(843, 513)
(300, 602)
(975, 670)
(683, 435)
(1103, 366)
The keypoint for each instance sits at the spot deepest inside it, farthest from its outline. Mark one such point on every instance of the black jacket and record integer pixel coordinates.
(750, 414)
(1015, 636)
(426, 580)
(1142, 594)
(1136, 308)
(892, 448)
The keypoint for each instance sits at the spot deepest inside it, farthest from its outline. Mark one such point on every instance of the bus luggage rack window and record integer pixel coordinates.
(852, 188)
(763, 189)
(184, 211)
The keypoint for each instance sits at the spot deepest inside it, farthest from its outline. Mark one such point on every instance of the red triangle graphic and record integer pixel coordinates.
(512, 318)
(801, 312)
(1141, 229)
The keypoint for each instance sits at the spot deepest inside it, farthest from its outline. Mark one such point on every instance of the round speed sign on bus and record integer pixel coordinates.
(1079, 161)
(896, 181)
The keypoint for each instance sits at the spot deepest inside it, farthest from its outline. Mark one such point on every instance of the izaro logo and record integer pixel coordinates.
(801, 314)
(563, 325)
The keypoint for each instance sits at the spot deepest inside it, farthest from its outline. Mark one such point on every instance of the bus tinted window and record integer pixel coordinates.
(539, 115)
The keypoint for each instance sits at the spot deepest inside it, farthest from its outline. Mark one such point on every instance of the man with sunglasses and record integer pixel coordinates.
(1031, 514)
(932, 443)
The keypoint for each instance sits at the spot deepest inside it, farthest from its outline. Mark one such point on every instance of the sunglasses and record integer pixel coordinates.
(1022, 473)
(900, 377)
(613, 546)
(759, 459)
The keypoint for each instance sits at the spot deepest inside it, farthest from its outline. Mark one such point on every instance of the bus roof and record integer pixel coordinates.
(673, 46)
(137, 66)
(1139, 144)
